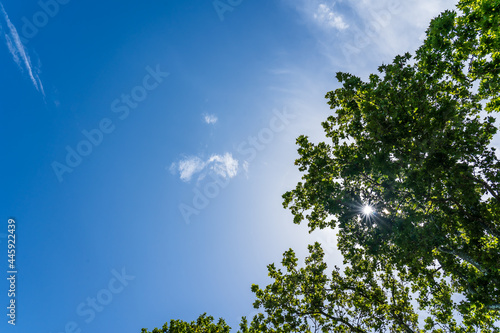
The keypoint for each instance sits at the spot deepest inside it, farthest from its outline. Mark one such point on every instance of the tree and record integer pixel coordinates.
(306, 299)
(411, 143)
(369, 296)
(204, 324)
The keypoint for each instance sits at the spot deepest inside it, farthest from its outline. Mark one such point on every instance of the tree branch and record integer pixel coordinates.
(343, 321)
(465, 257)
(486, 186)
(493, 307)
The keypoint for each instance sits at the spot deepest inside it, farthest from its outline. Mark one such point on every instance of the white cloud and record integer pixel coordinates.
(18, 51)
(325, 15)
(189, 167)
(223, 165)
(210, 118)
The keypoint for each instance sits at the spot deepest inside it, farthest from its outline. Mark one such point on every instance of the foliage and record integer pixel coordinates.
(204, 324)
(467, 47)
(367, 297)
(411, 143)
(306, 299)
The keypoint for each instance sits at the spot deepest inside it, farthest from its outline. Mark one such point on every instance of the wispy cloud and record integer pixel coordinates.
(189, 167)
(383, 28)
(326, 16)
(210, 118)
(394, 27)
(18, 51)
(223, 165)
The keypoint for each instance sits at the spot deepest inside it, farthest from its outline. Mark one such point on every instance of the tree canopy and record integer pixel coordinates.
(204, 324)
(368, 296)
(413, 143)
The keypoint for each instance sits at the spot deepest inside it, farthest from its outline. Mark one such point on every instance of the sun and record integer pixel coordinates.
(368, 210)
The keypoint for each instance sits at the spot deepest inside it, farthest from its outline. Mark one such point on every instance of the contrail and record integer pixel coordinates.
(18, 52)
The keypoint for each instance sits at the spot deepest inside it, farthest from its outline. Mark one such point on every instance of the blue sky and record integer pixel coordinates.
(146, 146)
